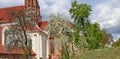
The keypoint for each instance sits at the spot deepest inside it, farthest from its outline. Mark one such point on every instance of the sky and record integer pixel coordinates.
(105, 12)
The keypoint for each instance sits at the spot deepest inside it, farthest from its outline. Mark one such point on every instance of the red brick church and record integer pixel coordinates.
(40, 40)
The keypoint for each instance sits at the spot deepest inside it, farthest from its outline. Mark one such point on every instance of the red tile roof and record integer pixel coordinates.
(5, 13)
(5, 17)
(43, 24)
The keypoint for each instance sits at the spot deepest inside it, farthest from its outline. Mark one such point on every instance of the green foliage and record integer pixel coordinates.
(80, 14)
(40, 58)
(65, 53)
(117, 43)
(95, 36)
(106, 38)
(106, 53)
(18, 36)
(85, 34)
(59, 28)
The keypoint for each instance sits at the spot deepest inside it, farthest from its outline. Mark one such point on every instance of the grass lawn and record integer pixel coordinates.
(107, 53)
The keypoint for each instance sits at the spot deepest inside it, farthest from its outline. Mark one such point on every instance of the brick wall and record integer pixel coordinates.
(3, 56)
(0, 35)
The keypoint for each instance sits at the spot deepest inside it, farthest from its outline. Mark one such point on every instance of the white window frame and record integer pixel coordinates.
(3, 34)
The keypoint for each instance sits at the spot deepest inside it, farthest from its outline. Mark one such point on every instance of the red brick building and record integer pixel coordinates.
(6, 20)
(41, 44)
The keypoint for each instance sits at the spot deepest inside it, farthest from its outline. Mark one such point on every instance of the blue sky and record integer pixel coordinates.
(105, 12)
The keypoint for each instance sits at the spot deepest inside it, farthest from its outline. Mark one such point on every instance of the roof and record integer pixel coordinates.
(5, 13)
(43, 24)
(14, 51)
(6, 17)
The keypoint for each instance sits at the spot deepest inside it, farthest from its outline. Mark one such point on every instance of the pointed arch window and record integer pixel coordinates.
(32, 3)
(4, 35)
(28, 3)
(51, 45)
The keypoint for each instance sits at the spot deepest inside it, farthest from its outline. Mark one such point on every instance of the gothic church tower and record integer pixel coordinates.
(32, 6)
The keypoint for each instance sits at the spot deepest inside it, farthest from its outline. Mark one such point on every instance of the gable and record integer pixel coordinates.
(43, 24)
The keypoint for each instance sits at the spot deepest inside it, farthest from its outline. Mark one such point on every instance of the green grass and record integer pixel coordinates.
(107, 53)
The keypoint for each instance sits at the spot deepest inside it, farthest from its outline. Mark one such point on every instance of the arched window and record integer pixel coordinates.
(4, 35)
(51, 45)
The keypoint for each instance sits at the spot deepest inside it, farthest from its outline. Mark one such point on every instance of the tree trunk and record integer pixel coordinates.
(27, 56)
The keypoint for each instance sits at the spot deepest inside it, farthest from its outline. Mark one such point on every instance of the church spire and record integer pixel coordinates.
(33, 6)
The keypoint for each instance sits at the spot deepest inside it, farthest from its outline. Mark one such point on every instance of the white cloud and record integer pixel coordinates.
(46, 6)
(116, 36)
(7, 3)
(108, 15)
(54, 6)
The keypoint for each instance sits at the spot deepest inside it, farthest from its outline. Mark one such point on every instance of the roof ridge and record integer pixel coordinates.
(12, 7)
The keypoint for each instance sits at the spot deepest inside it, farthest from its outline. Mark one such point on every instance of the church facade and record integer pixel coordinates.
(42, 45)
(40, 40)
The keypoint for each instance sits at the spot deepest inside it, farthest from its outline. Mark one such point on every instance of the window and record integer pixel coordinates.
(29, 43)
(29, 3)
(32, 3)
(4, 35)
(51, 45)
(1, 18)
